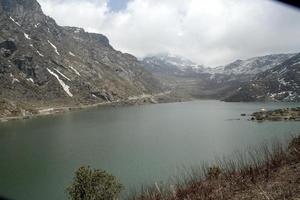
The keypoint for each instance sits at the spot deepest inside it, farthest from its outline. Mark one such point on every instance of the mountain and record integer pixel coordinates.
(45, 64)
(171, 65)
(280, 83)
(188, 78)
(179, 74)
(253, 65)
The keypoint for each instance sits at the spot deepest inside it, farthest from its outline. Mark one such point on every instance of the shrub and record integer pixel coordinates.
(89, 184)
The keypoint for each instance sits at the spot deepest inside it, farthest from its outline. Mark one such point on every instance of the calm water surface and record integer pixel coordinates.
(139, 144)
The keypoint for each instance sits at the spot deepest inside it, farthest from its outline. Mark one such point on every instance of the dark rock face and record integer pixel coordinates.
(44, 63)
(7, 48)
(281, 83)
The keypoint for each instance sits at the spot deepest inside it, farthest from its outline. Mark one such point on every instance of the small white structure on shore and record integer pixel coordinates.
(263, 110)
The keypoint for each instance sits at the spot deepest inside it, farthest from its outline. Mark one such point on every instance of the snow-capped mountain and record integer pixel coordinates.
(280, 83)
(234, 82)
(253, 65)
(171, 64)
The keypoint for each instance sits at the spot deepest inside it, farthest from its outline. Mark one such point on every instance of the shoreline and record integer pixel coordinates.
(266, 172)
(133, 100)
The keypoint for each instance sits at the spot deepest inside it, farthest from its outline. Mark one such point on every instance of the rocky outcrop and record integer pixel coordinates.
(277, 115)
(43, 63)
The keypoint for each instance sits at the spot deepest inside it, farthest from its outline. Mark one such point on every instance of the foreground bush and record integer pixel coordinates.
(92, 184)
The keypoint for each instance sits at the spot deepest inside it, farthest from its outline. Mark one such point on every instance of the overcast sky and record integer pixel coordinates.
(209, 32)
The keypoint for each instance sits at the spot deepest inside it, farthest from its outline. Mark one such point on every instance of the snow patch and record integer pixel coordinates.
(62, 74)
(30, 79)
(12, 19)
(282, 71)
(76, 72)
(27, 36)
(64, 86)
(283, 82)
(77, 30)
(15, 80)
(297, 63)
(72, 54)
(54, 47)
(39, 53)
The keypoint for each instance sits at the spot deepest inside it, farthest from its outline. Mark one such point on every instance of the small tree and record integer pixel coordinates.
(95, 184)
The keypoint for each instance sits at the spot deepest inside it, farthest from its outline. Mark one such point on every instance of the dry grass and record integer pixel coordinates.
(266, 172)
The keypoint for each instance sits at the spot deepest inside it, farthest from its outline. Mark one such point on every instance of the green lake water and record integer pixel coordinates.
(138, 144)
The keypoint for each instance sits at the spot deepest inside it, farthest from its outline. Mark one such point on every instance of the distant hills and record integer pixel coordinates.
(236, 81)
(279, 83)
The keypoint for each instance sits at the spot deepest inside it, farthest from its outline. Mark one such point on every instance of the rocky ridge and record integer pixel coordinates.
(280, 83)
(187, 78)
(44, 64)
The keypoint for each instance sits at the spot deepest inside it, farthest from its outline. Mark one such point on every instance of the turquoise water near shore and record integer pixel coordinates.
(138, 144)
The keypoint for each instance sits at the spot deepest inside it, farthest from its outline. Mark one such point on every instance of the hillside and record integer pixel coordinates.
(280, 83)
(44, 64)
(253, 65)
(186, 78)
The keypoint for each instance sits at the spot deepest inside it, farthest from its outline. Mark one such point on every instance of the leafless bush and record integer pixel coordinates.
(219, 179)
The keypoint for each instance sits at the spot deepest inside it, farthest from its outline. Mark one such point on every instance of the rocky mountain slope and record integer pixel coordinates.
(172, 65)
(184, 77)
(188, 78)
(42, 63)
(253, 65)
(280, 83)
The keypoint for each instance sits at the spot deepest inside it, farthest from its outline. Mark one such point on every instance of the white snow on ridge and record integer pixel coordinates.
(76, 72)
(12, 19)
(64, 86)
(283, 70)
(54, 47)
(15, 80)
(39, 53)
(297, 63)
(72, 54)
(283, 82)
(27, 36)
(62, 74)
(30, 79)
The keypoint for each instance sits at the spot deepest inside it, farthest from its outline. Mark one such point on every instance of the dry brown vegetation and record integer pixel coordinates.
(268, 172)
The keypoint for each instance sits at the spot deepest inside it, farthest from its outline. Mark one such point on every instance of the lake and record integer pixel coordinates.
(138, 144)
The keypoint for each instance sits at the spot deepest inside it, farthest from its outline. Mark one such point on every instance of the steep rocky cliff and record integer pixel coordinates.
(43, 64)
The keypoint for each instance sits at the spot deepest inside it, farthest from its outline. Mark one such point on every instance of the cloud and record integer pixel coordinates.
(211, 32)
